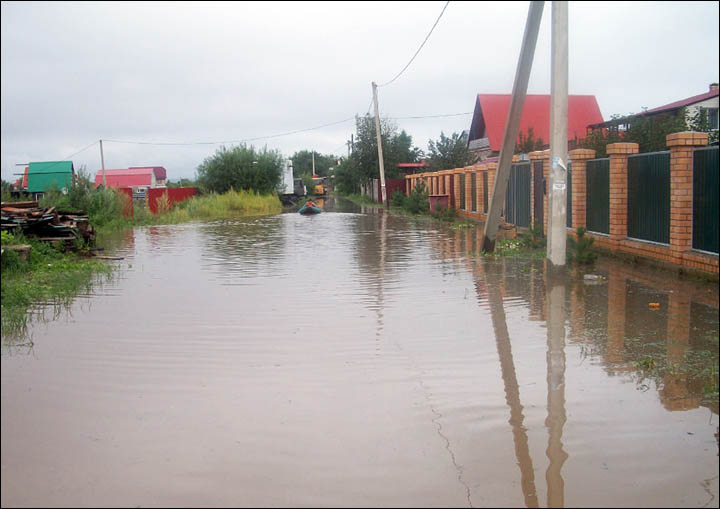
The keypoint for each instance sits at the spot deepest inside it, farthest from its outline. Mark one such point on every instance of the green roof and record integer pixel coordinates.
(43, 176)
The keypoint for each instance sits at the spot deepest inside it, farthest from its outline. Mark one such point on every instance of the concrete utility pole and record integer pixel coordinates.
(102, 162)
(512, 124)
(557, 197)
(379, 144)
(313, 156)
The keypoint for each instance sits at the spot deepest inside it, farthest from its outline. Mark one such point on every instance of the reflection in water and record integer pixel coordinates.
(289, 354)
(556, 388)
(512, 392)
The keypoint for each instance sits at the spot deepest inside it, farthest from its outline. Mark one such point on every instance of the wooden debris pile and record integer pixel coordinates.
(47, 224)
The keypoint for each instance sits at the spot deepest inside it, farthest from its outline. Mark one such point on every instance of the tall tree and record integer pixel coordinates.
(302, 163)
(450, 152)
(239, 168)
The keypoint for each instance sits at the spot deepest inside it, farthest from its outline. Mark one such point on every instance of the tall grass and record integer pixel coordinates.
(222, 206)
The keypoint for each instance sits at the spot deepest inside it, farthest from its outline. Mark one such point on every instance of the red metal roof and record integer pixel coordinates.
(160, 171)
(125, 177)
(685, 102)
(493, 110)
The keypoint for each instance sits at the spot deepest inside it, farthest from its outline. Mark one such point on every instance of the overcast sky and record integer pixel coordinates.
(74, 73)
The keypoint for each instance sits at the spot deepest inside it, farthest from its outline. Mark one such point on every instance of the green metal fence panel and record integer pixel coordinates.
(462, 191)
(522, 204)
(705, 199)
(517, 196)
(648, 215)
(597, 196)
(473, 191)
(568, 221)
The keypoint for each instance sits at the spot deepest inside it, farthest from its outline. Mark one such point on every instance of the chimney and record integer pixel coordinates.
(713, 87)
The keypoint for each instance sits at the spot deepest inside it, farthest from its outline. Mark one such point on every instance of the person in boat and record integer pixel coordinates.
(310, 203)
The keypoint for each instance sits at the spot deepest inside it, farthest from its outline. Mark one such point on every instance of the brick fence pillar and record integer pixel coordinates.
(681, 147)
(468, 188)
(456, 174)
(544, 156)
(491, 171)
(619, 153)
(579, 158)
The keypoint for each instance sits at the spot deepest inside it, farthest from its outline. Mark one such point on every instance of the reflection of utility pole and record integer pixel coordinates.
(557, 187)
(512, 391)
(379, 144)
(556, 387)
(512, 124)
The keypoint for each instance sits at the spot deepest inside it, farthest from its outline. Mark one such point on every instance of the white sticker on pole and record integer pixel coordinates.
(559, 185)
(558, 163)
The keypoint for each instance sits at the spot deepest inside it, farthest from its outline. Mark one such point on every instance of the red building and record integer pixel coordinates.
(491, 110)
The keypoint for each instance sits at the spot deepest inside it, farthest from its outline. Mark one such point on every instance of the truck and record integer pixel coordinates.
(319, 185)
(290, 189)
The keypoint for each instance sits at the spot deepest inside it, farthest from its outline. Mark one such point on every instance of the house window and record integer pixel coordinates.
(712, 116)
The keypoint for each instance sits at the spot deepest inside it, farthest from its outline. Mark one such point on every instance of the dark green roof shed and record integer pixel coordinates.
(43, 176)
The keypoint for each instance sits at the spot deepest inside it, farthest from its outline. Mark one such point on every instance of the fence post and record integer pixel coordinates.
(578, 158)
(544, 156)
(619, 153)
(468, 189)
(681, 147)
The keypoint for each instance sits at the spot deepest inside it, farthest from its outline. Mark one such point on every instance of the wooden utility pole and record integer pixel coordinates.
(512, 124)
(557, 196)
(313, 156)
(102, 162)
(379, 144)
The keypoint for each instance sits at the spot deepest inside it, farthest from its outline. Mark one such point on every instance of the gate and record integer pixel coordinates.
(649, 197)
(539, 192)
(597, 195)
(517, 196)
(462, 191)
(705, 199)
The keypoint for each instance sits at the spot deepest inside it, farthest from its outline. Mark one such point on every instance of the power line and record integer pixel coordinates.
(233, 141)
(433, 116)
(421, 46)
(64, 159)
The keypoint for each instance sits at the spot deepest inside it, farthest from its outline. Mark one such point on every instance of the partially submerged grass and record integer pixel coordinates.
(48, 277)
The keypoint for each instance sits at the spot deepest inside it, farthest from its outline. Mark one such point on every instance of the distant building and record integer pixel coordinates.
(707, 102)
(140, 179)
(47, 175)
(491, 110)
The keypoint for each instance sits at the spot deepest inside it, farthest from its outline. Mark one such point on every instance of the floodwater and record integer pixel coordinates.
(356, 358)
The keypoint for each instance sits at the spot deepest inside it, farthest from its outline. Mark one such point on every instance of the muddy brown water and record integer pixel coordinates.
(356, 358)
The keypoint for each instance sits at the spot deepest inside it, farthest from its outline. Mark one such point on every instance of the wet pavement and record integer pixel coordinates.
(359, 358)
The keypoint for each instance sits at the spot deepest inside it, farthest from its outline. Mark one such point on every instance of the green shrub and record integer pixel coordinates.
(397, 199)
(581, 249)
(417, 202)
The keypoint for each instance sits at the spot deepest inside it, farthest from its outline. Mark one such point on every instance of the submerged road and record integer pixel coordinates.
(357, 358)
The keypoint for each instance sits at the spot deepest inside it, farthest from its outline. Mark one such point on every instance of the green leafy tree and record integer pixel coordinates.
(649, 132)
(397, 148)
(241, 168)
(302, 163)
(450, 152)
(527, 142)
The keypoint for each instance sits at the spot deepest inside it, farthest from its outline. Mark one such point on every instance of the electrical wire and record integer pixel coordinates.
(232, 141)
(64, 159)
(418, 50)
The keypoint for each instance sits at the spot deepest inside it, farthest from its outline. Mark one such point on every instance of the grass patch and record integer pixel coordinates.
(48, 277)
